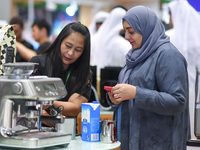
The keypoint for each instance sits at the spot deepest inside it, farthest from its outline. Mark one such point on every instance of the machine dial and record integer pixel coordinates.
(17, 88)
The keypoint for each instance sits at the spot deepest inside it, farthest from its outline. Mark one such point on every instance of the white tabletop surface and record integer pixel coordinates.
(78, 144)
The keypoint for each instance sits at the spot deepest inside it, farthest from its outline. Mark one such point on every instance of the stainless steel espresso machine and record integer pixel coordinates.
(21, 99)
(197, 105)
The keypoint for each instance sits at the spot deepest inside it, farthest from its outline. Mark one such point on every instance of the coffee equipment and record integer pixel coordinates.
(197, 105)
(21, 104)
(108, 131)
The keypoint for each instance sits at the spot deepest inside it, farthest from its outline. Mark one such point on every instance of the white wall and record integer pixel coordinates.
(153, 4)
(5, 10)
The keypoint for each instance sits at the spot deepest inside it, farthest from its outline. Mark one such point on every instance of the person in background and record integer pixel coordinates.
(40, 33)
(68, 58)
(150, 101)
(185, 35)
(18, 29)
(121, 31)
(97, 21)
(108, 46)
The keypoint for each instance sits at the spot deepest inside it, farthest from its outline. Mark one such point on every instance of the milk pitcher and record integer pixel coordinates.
(108, 131)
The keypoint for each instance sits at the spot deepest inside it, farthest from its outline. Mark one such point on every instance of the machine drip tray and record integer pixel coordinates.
(38, 135)
(36, 140)
(193, 142)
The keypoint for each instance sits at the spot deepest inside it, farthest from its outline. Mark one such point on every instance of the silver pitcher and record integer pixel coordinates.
(108, 131)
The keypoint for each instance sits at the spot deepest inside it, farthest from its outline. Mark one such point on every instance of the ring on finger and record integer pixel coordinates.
(117, 95)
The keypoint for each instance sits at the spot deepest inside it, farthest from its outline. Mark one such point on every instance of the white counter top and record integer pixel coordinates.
(78, 144)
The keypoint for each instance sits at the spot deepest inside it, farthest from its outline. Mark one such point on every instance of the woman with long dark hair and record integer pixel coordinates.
(68, 58)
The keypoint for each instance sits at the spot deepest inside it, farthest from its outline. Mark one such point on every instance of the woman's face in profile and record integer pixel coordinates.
(71, 48)
(132, 36)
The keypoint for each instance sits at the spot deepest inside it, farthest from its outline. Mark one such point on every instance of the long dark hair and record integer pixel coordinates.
(80, 75)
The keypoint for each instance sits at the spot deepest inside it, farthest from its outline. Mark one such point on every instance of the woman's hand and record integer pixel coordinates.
(44, 113)
(122, 92)
(46, 107)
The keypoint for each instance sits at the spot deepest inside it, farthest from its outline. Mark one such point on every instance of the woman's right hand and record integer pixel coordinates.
(122, 92)
(113, 99)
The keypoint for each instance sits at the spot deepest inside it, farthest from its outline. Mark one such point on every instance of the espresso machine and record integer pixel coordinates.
(197, 105)
(21, 100)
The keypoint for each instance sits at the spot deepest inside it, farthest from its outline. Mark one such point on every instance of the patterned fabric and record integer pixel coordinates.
(7, 46)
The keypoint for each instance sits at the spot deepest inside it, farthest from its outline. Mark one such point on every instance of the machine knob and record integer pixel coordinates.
(17, 88)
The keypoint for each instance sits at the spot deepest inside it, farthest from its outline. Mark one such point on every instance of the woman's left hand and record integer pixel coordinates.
(44, 113)
(121, 92)
(46, 107)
